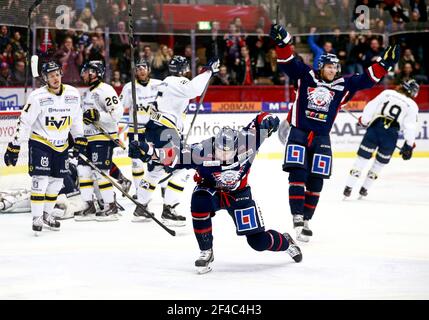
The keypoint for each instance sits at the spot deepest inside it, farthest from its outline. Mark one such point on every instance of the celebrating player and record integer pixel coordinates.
(50, 114)
(102, 111)
(320, 95)
(222, 165)
(165, 128)
(384, 116)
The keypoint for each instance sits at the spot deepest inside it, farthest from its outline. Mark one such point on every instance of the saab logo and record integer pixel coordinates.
(44, 161)
(9, 102)
(46, 102)
(295, 154)
(94, 157)
(321, 164)
(64, 123)
(320, 98)
(246, 219)
(70, 99)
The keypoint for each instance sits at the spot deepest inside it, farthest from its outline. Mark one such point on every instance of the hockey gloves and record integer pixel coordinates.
(141, 150)
(268, 122)
(80, 145)
(390, 57)
(91, 116)
(11, 155)
(280, 36)
(406, 151)
(213, 65)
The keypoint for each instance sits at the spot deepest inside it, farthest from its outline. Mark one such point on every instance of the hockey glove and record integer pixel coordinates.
(11, 155)
(406, 151)
(268, 122)
(213, 65)
(280, 36)
(390, 57)
(141, 150)
(80, 145)
(91, 116)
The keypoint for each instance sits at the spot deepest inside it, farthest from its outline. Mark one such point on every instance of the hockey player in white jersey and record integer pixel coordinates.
(50, 114)
(165, 128)
(102, 111)
(385, 115)
(146, 93)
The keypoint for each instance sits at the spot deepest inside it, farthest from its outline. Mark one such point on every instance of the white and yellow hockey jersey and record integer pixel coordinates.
(103, 98)
(173, 98)
(145, 95)
(48, 118)
(394, 106)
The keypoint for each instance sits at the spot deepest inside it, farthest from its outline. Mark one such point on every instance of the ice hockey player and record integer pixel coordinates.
(319, 96)
(384, 116)
(165, 128)
(222, 165)
(102, 111)
(51, 112)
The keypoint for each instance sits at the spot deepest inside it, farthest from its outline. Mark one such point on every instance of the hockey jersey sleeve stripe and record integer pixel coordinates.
(376, 72)
(284, 54)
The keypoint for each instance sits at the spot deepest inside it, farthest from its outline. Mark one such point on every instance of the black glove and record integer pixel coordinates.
(280, 36)
(390, 57)
(406, 151)
(79, 147)
(141, 150)
(213, 65)
(11, 155)
(91, 116)
(268, 122)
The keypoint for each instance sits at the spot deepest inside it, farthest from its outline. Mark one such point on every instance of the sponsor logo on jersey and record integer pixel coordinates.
(208, 163)
(319, 98)
(246, 219)
(321, 164)
(295, 154)
(316, 116)
(44, 161)
(70, 99)
(51, 110)
(53, 124)
(46, 101)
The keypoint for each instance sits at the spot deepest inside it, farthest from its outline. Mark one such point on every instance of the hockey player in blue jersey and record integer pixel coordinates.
(319, 97)
(222, 165)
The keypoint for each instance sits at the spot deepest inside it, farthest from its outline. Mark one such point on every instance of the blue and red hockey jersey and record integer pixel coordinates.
(317, 102)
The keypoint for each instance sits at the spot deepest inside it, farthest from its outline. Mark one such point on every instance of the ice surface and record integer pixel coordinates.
(377, 248)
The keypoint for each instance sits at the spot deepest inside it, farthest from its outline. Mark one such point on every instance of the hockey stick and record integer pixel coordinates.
(117, 142)
(93, 167)
(133, 76)
(197, 111)
(27, 56)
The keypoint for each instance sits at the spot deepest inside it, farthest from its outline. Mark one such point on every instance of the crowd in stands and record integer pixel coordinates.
(248, 56)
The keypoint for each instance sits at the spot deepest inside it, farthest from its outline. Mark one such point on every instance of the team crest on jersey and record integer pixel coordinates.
(44, 161)
(321, 164)
(61, 124)
(319, 98)
(227, 179)
(246, 219)
(94, 157)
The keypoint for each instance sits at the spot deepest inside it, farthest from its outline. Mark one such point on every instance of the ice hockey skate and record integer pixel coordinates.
(50, 222)
(294, 251)
(110, 213)
(171, 218)
(305, 233)
(125, 184)
(37, 225)
(203, 263)
(142, 214)
(362, 193)
(298, 223)
(347, 192)
(88, 214)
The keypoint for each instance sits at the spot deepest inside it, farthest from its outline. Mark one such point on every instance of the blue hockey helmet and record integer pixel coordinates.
(329, 58)
(48, 67)
(226, 143)
(411, 87)
(178, 66)
(142, 63)
(96, 65)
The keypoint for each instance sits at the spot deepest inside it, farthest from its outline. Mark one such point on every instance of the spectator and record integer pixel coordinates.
(160, 63)
(188, 55)
(5, 79)
(356, 49)
(245, 68)
(95, 51)
(272, 70)
(420, 8)
(322, 15)
(396, 10)
(258, 46)
(170, 52)
(125, 64)
(70, 59)
(406, 73)
(46, 37)
(119, 41)
(233, 44)
(7, 55)
(145, 13)
(87, 18)
(4, 38)
(407, 57)
(147, 54)
(18, 77)
(214, 44)
(318, 51)
(17, 49)
(375, 51)
(114, 18)
(116, 81)
(223, 77)
(239, 25)
(79, 5)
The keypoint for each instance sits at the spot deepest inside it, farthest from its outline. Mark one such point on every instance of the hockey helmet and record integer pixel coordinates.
(96, 65)
(329, 58)
(178, 66)
(411, 87)
(142, 63)
(48, 67)
(226, 143)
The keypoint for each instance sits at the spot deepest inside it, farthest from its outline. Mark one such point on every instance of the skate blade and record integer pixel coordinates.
(78, 218)
(141, 219)
(303, 238)
(37, 233)
(361, 197)
(203, 270)
(51, 228)
(170, 223)
(106, 219)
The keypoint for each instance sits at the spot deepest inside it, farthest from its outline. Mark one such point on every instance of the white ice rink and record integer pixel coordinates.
(377, 248)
